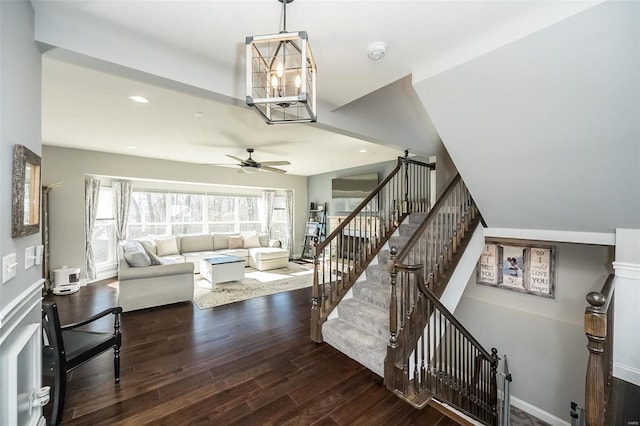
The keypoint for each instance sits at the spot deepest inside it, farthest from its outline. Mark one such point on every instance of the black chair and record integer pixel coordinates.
(66, 347)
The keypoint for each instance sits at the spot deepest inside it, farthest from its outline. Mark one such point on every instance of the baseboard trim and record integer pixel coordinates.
(626, 373)
(538, 412)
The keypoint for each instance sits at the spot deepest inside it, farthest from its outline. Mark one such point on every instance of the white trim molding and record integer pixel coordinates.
(597, 238)
(17, 304)
(626, 373)
(538, 412)
(627, 270)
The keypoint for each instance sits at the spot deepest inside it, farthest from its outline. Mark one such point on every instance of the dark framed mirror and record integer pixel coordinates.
(25, 214)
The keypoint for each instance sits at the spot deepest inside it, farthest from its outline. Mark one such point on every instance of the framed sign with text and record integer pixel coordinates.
(525, 268)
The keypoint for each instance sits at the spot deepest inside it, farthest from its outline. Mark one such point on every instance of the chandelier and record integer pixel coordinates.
(281, 75)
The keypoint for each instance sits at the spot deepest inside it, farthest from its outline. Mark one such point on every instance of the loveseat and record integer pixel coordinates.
(159, 271)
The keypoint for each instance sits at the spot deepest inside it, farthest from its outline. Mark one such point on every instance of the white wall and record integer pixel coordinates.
(66, 203)
(20, 297)
(544, 130)
(543, 338)
(626, 346)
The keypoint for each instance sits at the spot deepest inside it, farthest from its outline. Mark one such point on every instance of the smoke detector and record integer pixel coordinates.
(376, 50)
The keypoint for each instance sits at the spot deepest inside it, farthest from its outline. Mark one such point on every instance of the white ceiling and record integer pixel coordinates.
(88, 108)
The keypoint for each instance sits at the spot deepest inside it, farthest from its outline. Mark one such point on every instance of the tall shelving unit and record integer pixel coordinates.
(316, 227)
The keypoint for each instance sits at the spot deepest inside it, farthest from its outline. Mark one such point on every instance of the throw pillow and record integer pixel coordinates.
(235, 242)
(148, 245)
(251, 241)
(167, 246)
(135, 255)
(264, 239)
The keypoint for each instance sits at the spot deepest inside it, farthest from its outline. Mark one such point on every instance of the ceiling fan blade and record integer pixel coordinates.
(275, 163)
(272, 169)
(235, 158)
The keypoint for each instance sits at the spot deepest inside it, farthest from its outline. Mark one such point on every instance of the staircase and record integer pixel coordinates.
(360, 327)
(378, 283)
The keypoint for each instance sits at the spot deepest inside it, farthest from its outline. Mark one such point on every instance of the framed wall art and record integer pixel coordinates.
(523, 267)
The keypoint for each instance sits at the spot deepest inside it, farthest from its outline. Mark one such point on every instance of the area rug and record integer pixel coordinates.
(255, 284)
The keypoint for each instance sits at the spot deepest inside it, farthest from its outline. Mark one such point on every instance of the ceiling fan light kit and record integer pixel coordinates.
(281, 76)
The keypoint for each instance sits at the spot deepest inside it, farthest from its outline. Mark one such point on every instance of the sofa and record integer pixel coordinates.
(158, 271)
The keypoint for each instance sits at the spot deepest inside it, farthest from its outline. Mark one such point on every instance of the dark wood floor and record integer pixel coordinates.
(248, 363)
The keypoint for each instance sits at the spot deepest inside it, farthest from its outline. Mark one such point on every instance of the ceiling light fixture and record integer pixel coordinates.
(281, 75)
(139, 99)
(132, 147)
(363, 151)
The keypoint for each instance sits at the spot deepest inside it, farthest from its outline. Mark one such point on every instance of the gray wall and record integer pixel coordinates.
(543, 338)
(319, 186)
(20, 69)
(69, 167)
(545, 129)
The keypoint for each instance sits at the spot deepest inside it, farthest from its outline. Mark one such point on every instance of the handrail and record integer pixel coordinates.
(340, 228)
(352, 244)
(598, 327)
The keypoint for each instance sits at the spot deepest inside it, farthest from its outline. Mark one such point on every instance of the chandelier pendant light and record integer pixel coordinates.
(281, 75)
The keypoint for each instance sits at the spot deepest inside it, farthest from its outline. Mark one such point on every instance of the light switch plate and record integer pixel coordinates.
(29, 257)
(9, 267)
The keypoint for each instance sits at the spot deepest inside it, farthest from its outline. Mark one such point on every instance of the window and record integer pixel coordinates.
(161, 213)
(279, 221)
(103, 242)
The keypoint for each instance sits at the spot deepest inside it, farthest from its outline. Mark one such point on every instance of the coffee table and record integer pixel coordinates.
(220, 268)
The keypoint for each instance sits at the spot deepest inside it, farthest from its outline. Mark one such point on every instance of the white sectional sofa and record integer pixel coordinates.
(160, 271)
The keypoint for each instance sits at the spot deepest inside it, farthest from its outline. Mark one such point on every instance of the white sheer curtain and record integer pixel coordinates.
(121, 201)
(91, 195)
(267, 206)
(289, 214)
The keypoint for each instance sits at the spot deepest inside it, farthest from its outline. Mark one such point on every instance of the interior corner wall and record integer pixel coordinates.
(543, 338)
(20, 76)
(70, 166)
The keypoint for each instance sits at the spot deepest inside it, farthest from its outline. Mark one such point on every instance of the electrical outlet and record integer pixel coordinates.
(9, 267)
(29, 257)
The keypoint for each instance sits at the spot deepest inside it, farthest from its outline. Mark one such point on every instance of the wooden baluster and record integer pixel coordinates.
(595, 327)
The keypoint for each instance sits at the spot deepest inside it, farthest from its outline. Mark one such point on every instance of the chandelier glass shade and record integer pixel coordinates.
(281, 77)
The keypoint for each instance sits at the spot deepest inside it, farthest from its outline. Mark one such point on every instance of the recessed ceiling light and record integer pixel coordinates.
(139, 99)
(199, 114)
(363, 151)
(132, 147)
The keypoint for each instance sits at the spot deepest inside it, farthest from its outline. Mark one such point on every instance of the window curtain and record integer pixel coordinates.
(91, 194)
(289, 214)
(267, 206)
(121, 202)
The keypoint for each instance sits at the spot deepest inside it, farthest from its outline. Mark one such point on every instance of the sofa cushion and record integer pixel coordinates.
(236, 242)
(135, 255)
(250, 240)
(264, 239)
(268, 253)
(167, 246)
(241, 252)
(167, 260)
(192, 243)
(220, 241)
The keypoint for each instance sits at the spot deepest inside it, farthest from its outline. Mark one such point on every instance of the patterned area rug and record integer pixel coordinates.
(255, 284)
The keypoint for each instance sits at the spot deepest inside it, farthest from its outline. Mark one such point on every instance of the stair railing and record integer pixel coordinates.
(430, 354)
(598, 326)
(348, 249)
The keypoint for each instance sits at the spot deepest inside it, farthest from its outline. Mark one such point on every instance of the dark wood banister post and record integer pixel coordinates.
(493, 386)
(316, 335)
(393, 307)
(595, 327)
(405, 207)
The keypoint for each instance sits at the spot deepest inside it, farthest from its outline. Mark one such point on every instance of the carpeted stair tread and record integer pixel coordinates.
(365, 315)
(357, 343)
(373, 292)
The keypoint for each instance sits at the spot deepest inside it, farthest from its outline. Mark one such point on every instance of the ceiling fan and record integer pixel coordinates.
(251, 166)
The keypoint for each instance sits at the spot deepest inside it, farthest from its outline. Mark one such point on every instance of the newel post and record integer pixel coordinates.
(493, 398)
(595, 327)
(393, 307)
(316, 334)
